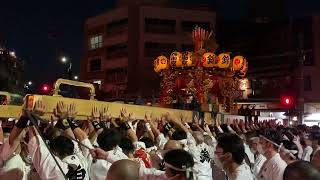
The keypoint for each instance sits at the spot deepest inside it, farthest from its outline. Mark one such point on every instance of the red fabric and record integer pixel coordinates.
(144, 156)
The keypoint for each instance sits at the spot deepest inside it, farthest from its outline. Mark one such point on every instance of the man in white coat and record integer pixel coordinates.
(269, 145)
(229, 156)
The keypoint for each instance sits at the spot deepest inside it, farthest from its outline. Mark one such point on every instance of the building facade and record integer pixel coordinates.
(11, 72)
(121, 45)
(283, 55)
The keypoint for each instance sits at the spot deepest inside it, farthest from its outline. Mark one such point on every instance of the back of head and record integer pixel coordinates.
(179, 135)
(123, 169)
(172, 144)
(62, 146)
(126, 146)
(233, 144)
(52, 132)
(208, 140)
(198, 136)
(147, 141)
(301, 170)
(178, 161)
(108, 139)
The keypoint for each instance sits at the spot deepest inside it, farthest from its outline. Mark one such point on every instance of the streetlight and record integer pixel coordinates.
(75, 77)
(63, 59)
(30, 83)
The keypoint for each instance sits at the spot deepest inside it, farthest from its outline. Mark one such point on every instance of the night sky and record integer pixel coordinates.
(41, 31)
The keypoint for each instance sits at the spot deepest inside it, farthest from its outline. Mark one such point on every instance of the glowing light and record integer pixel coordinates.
(75, 77)
(12, 53)
(63, 59)
(315, 116)
(29, 83)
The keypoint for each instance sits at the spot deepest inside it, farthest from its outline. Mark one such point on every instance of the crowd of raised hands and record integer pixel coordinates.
(105, 147)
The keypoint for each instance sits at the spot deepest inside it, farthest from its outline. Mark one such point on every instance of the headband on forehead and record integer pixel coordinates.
(279, 146)
(173, 167)
(254, 138)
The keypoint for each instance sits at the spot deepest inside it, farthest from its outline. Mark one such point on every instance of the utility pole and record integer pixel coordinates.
(300, 79)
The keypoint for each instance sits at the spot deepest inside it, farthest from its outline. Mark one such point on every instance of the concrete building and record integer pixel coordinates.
(273, 49)
(121, 44)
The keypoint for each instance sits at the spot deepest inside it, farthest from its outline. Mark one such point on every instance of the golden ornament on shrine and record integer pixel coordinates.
(187, 59)
(176, 59)
(209, 60)
(161, 63)
(223, 60)
(244, 70)
(238, 63)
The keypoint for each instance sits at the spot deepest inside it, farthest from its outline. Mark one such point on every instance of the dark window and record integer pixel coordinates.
(187, 47)
(153, 25)
(153, 49)
(309, 59)
(118, 75)
(95, 65)
(187, 26)
(117, 27)
(117, 51)
(307, 83)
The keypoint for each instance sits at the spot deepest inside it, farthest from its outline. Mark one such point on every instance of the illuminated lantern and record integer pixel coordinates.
(176, 59)
(187, 59)
(209, 60)
(223, 60)
(160, 64)
(238, 63)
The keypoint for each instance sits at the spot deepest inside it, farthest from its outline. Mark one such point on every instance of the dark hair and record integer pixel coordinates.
(233, 144)
(301, 170)
(179, 135)
(108, 139)
(62, 145)
(147, 141)
(180, 159)
(224, 128)
(126, 145)
(273, 135)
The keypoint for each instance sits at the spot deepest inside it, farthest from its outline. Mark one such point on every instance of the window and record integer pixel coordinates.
(96, 42)
(117, 27)
(117, 51)
(307, 83)
(161, 26)
(153, 49)
(187, 26)
(118, 75)
(95, 65)
(309, 59)
(187, 47)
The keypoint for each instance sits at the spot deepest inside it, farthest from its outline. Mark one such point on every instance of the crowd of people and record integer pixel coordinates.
(154, 148)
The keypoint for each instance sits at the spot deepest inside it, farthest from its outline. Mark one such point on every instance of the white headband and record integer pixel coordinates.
(279, 146)
(173, 167)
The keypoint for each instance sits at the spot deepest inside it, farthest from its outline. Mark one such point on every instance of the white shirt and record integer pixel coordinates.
(161, 141)
(45, 164)
(306, 155)
(151, 174)
(258, 163)
(98, 169)
(249, 153)
(202, 159)
(272, 169)
(13, 167)
(243, 172)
